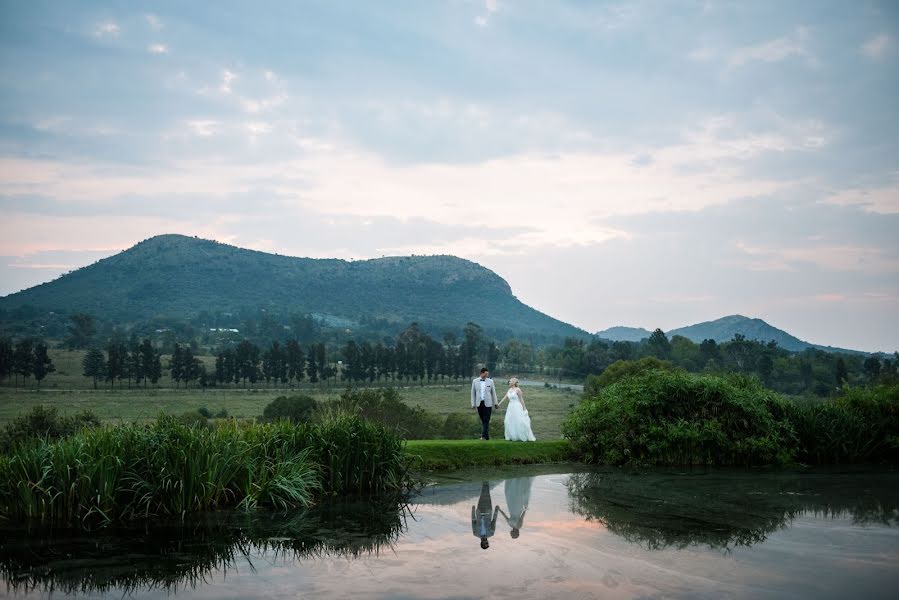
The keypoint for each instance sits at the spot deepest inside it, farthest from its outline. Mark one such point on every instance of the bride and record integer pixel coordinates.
(517, 422)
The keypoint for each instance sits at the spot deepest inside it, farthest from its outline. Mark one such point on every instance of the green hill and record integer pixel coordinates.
(724, 329)
(623, 334)
(178, 276)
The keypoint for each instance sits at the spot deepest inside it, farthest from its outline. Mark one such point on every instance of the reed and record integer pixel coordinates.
(119, 473)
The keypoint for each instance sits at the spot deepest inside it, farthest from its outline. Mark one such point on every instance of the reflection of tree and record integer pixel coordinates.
(178, 555)
(726, 509)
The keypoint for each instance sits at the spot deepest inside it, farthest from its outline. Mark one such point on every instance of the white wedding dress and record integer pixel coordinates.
(517, 422)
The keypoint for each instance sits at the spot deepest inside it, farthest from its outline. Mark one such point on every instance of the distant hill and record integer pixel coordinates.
(180, 276)
(724, 329)
(624, 334)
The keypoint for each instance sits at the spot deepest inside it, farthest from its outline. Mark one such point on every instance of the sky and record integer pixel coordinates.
(649, 164)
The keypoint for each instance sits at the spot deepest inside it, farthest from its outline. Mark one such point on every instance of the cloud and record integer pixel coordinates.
(776, 50)
(879, 199)
(827, 257)
(106, 29)
(490, 8)
(703, 54)
(876, 47)
(153, 21)
(204, 127)
(228, 78)
(158, 49)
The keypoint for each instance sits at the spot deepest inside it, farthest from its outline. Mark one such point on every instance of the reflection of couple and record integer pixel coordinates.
(483, 517)
(517, 423)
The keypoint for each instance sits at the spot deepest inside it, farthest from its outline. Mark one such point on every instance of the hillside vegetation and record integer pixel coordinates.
(179, 277)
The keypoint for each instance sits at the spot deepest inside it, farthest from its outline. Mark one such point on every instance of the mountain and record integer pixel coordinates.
(724, 329)
(179, 276)
(624, 334)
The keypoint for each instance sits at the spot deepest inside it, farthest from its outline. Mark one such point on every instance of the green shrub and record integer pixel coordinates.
(205, 412)
(44, 423)
(193, 418)
(620, 369)
(385, 406)
(296, 409)
(676, 418)
(859, 425)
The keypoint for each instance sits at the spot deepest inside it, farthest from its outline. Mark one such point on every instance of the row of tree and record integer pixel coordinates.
(26, 358)
(811, 372)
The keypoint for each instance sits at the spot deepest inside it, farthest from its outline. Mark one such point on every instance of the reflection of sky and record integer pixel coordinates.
(559, 555)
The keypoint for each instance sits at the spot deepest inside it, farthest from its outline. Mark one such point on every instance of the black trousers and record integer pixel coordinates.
(484, 412)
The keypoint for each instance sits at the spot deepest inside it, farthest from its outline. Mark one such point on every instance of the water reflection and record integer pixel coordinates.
(178, 555)
(725, 509)
(483, 517)
(597, 534)
(518, 496)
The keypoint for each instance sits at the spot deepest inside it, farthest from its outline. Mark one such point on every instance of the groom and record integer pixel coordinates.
(483, 398)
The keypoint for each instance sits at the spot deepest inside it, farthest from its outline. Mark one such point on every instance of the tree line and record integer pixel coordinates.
(25, 358)
(810, 372)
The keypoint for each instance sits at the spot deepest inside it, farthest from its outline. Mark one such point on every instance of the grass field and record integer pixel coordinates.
(69, 392)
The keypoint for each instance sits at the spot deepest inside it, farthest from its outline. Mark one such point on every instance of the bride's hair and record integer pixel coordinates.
(513, 382)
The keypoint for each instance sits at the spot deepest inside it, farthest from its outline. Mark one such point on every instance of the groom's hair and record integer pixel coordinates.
(484, 370)
(484, 543)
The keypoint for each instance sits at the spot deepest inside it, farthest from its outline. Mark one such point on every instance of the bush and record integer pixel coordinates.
(621, 369)
(193, 418)
(676, 418)
(296, 409)
(385, 406)
(859, 425)
(44, 423)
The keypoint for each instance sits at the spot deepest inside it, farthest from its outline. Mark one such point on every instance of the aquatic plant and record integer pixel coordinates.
(169, 468)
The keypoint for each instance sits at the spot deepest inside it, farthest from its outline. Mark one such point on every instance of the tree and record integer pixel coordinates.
(6, 357)
(94, 365)
(23, 361)
(115, 361)
(492, 356)
(709, 350)
(247, 362)
(295, 361)
(474, 341)
(872, 368)
(312, 366)
(765, 368)
(81, 331)
(42, 364)
(841, 373)
(148, 359)
(658, 345)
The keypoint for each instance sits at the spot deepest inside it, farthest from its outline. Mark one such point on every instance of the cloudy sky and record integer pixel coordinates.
(642, 163)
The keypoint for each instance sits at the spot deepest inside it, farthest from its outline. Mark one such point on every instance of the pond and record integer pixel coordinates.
(599, 533)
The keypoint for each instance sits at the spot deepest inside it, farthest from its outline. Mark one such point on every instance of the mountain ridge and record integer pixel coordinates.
(180, 276)
(724, 329)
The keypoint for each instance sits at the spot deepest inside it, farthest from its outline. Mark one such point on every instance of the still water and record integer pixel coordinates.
(604, 533)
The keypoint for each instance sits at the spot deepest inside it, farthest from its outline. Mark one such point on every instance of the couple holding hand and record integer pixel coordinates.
(517, 423)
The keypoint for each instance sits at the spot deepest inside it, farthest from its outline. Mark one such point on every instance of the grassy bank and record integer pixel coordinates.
(438, 455)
